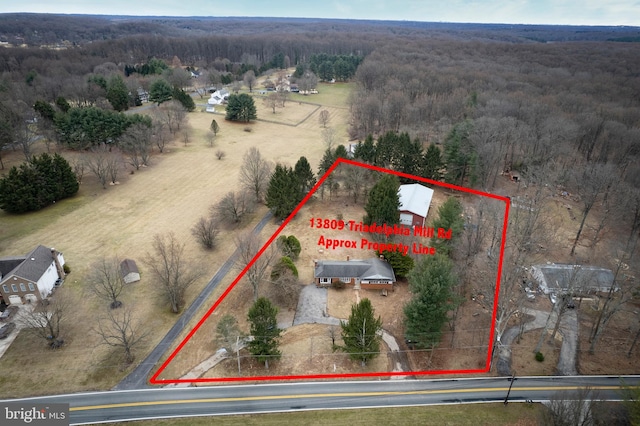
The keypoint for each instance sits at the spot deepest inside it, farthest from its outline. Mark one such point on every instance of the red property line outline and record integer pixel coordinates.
(156, 381)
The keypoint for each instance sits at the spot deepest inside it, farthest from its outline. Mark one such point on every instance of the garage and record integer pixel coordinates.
(15, 300)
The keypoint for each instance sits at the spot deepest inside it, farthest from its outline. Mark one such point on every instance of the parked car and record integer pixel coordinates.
(8, 313)
(6, 330)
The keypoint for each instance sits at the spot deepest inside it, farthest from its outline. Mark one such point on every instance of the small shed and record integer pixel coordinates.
(415, 200)
(129, 271)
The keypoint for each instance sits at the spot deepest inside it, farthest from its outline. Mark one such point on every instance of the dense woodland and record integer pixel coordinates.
(558, 105)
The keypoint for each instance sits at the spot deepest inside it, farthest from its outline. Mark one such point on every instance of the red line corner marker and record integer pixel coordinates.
(157, 381)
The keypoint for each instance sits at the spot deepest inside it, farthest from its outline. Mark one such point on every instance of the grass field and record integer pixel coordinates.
(460, 415)
(169, 196)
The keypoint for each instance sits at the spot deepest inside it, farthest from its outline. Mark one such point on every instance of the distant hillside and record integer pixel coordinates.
(49, 29)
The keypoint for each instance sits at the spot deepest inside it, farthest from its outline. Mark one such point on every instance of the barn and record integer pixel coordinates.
(415, 200)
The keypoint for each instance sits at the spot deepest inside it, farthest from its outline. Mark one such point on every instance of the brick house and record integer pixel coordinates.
(30, 278)
(368, 274)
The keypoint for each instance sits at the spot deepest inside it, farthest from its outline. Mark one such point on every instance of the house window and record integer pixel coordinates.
(14, 288)
(345, 280)
(325, 280)
(23, 287)
(5, 288)
(32, 287)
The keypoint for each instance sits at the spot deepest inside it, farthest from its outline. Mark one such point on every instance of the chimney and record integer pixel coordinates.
(54, 254)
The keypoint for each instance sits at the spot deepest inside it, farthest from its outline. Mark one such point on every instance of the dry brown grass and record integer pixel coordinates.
(169, 196)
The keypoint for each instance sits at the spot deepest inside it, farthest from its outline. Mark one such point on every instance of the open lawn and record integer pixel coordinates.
(169, 196)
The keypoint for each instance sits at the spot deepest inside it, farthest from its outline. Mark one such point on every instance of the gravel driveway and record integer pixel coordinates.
(312, 307)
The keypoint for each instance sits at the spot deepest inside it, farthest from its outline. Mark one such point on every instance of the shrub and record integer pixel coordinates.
(539, 357)
(66, 268)
(338, 285)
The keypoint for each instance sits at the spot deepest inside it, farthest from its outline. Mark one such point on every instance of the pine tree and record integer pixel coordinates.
(409, 157)
(306, 179)
(360, 333)
(383, 202)
(184, 98)
(160, 91)
(283, 194)
(460, 155)
(400, 263)
(264, 330)
(449, 218)
(425, 314)
(340, 152)
(117, 93)
(432, 163)
(241, 108)
(325, 164)
(366, 151)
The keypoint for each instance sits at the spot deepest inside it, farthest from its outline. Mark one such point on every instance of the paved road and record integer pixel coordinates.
(101, 407)
(137, 379)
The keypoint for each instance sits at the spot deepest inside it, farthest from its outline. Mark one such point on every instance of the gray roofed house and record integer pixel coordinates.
(557, 278)
(32, 277)
(372, 273)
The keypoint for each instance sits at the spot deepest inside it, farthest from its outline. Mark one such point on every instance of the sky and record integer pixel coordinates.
(562, 12)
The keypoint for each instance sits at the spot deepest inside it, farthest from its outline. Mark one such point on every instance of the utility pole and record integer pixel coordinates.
(238, 352)
(512, 379)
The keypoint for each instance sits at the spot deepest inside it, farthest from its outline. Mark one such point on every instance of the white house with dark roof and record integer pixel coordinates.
(415, 200)
(30, 278)
(373, 273)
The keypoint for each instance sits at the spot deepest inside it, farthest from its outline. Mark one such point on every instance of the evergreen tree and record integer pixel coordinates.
(360, 333)
(340, 152)
(290, 246)
(184, 98)
(35, 185)
(366, 151)
(215, 128)
(306, 179)
(265, 331)
(117, 93)
(160, 91)
(409, 156)
(283, 265)
(425, 314)
(432, 163)
(400, 263)
(325, 164)
(241, 108)
(449, 218)
(45, 110)
(283, 194)
(459, 155)
(383, 202)
(386, 149)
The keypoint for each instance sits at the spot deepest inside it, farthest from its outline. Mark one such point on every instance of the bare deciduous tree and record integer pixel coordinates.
(227, 331)
(172, 114)
(591, 181)
(136, 144)
(206, 231)
(255, 173)
(323, 118)
(106, 281)
(173, 273)
(118, 329)
(249, 79)
(102, 164)
(286, 289)
(220, 154)
(570, 408)
(160, 133)
(272, 101)
(47, 317)
(234, 206)
(249, 246)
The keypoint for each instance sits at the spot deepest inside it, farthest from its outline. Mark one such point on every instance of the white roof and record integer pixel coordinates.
(415, 198)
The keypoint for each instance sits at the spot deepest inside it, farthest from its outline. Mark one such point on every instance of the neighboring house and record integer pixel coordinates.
(370, 274)
(415, 200)
(143, 95)
(218, 97)
(557, 279)
(129, 271)
(30, 278)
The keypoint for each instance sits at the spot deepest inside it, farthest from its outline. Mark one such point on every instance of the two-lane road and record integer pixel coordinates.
(110, 406)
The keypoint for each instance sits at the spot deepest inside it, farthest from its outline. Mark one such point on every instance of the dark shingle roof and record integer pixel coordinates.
(34, 265)
(367, 269)
(127, 266)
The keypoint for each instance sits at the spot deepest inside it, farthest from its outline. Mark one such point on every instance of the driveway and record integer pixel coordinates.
(312, 307)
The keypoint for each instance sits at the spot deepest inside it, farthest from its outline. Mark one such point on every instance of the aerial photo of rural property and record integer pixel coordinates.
(345, 213)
